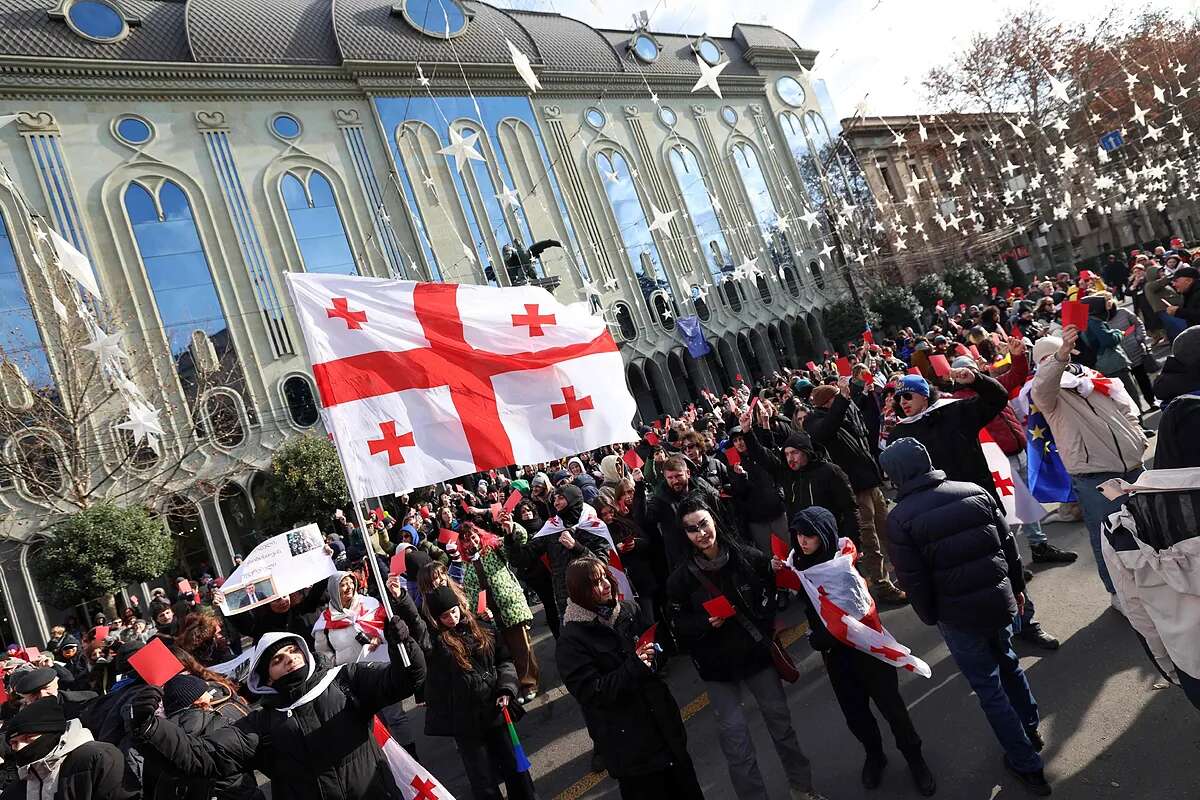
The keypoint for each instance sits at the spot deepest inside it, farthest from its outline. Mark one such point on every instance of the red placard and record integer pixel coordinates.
(810, 366)
(1016, 332)
(719, 607)
(495, 509)
(843, 367)
(652, 439)
(445, 536)
(1074, 313)
(787, 579)
(424, 512)
(868, 337)
(100, 633)
(732, 456)
(481, 603)
(779, 548)
(941, 367)
(512, 500)
(1129, 331)
(32, 654)
(632, 459)
(155, 663)
(650, 635)
(656, 424)
(396, 566)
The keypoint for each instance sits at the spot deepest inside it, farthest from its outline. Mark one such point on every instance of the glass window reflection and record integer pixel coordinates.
(762, 205)
(810, 174)
(698, 200)
(20, 340)
(317, 224)
(632, 225)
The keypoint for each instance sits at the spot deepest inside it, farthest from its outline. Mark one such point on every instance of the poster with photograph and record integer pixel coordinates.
(284, 563)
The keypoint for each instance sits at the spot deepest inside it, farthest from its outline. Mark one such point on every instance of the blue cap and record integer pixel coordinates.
(915, 384)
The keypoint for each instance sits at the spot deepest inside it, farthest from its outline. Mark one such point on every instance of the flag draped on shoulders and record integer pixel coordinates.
(590, 522)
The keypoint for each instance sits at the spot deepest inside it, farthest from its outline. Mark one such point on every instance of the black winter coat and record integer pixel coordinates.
(730, 652)
(951, 433)
(662, 510)
(954, 554)
(1176, 378)
(298, 619)
(92, 771)
(324, 749)
(818, 483)
(841, 431)
(755, 494)
(632, 716)
(161, 784)
(586, 544)
(459, 703)
(1178, 432)
(1189, 312)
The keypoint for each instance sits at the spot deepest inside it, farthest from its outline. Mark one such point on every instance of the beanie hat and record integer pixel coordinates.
(413, 561)
(43, 716)
(181, 691)
(1045, 347)
(441, 600)
(822, 394)
(1186, 347)
(915, 384)
(963, 362)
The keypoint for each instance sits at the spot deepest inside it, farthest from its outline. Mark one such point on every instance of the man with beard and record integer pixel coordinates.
(662, 506)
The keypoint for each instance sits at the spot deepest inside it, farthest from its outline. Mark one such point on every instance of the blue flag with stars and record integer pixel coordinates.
(1048, 478)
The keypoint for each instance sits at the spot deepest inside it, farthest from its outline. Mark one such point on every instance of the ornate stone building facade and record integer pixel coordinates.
(197, 150)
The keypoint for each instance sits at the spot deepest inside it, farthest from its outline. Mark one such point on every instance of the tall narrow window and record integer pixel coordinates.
(632, 224)
(698, 199)
(20, 340)
(317, 224)
(181, 281)
(766, 214)
(802, 152)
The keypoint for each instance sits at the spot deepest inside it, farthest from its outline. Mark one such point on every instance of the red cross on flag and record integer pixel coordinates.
(1019, 503)
(415, 782)
(423, 382)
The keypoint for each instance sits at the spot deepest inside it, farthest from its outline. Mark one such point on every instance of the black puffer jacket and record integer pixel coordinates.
(730, 652)
(817, 483)
(662, 511)
(632, 716)
(840, 429)
(323, 749)
(953, 552)
(1178, 432)
(950, 433)
(462, 703)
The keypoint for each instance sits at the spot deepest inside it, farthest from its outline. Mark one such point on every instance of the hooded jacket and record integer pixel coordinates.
(662, 511)
(951, 548)
(842, 432)
(815, 521)
(559, 556)
(78, 768)
(314, 741)
(756, 493)
(817, 483)
(611, 470)
(631, 714)
(341, 645)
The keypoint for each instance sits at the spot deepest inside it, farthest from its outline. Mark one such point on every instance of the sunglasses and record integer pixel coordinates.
(693, 528)
(906, 395)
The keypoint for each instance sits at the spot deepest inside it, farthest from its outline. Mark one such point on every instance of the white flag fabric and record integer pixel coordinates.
(423, 382)
(590, 522)
(415, 782)
(1020, 506)
(848, 611)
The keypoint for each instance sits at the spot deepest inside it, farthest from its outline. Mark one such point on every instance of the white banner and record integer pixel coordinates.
(285, 563)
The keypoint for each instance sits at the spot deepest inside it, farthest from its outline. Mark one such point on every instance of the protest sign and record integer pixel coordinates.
(155, 663)
(284, 563)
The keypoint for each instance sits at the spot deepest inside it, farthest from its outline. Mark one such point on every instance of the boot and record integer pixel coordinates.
(872, 771)
(1047, 553)
(886, 592)
(1034, 781)
(1027, 574)
(1035, 738)
(922, 776)
(1034, 634)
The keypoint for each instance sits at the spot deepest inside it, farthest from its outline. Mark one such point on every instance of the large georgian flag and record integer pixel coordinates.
(422, 382)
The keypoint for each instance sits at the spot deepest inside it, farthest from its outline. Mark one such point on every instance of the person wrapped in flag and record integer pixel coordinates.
(860, 656)
(472, 682)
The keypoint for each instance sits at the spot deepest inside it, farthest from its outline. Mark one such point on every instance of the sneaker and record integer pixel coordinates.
(1035, 738)
(532, 693)
(1115, 601)
(1034, 633)
(1067, 512)
(872, 771)
(922, 777)
(1034, 781)
(1047, 553)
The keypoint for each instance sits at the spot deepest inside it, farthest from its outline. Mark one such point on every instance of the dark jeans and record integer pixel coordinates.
(676, 781)
(490, 760)
(1143, 380)
(858, 679)
(987, 661)
(1191, 687)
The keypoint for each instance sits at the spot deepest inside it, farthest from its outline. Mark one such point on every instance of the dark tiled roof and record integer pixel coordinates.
(675, 56)
(568, 44)
(367, 30)
(262, 31)
(763, 36)
(27, 30)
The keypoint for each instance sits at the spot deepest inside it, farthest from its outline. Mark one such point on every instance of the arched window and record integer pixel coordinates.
(729, 290)
(317, 224)
(818, 274)
(793, 131)
(21, 345)
(40, 467)
(698, 200)
(764, 288)
(301, 404)
(181, 280)
(223, 413)
(632, 224)
(766, 215)
(790, 280)
(700, 304)
(624, 319)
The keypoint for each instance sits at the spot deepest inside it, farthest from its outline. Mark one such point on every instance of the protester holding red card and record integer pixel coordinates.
(609, 665)
(722, 600)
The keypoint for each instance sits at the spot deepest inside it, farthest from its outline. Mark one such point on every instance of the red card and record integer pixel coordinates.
(155, 663)
(650, 635)
(652, 439)
(466, 509)
(994, 290)
(941, 367)
(100, 633)
(396, 567)
(779, 548)
(481, 603)
(1016, 332)
(496, 510)
(810, 366)
(737, 378)
(753, 402)
(868, 337)
(184, 586)
(941, 303)
(1074, 313)
(512, 501)
(1129, 331)
(733, 457)
(719, 607)
(656, 424)
(445, 536)
(843, 367)
(32, 654)
(377, 513)
(424, 512)
(787, 579)
(632, 459)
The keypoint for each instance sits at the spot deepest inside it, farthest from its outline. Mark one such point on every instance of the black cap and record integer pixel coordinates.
(181, 691)
(41, 716)
(1186, 272)
(33, 680)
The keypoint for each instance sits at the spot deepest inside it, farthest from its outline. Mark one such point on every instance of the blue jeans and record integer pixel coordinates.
(1172, 325)
(1096, 508)
(987, 661)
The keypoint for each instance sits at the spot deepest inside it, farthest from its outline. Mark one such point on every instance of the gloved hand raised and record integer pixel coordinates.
(396, 630)
(139, 716)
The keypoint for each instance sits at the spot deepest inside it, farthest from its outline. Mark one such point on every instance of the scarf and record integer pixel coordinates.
(46, 770)
(365, 614)
(712, 565)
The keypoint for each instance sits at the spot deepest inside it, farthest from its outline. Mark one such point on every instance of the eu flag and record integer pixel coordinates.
(1048, 478)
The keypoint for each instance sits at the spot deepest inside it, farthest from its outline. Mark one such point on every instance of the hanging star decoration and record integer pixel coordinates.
(107, 348)
(462, 148)
(143, 424)
(508, 197)
(524, 68)
(662, 220)
(709, 74)
(421, 79)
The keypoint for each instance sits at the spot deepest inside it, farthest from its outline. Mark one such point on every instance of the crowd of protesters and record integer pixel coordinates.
(880, 448)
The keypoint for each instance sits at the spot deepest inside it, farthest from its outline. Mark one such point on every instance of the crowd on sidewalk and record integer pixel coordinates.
(683, 545)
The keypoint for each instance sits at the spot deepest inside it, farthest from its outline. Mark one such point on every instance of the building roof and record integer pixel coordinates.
(331, 32)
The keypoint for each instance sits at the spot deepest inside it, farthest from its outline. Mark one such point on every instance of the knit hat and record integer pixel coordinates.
(1045, 347)
(413, 561)
(963, 362)
(823, 394)
(1186, 347)
(33, 680)
(915, 384)
(43, 716)
(181, 691)
(441, 600)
